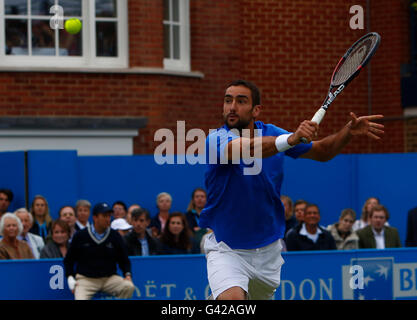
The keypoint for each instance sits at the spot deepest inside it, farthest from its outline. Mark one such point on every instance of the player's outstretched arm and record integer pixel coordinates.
(330, 146)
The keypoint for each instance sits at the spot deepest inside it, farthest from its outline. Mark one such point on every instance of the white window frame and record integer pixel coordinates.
(184, 63)
(89, 58)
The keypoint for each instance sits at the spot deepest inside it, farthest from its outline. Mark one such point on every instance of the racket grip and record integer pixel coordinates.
(318, 116)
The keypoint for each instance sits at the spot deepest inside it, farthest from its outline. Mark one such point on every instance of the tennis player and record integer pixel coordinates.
(244, 210)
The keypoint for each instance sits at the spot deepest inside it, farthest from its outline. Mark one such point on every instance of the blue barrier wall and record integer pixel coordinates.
(344, 182)
(387, 274)
(12, 176)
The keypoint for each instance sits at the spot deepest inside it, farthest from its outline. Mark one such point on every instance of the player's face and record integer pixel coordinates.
(238, 111)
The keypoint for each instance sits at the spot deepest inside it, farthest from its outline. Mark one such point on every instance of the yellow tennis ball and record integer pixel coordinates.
(73, 25)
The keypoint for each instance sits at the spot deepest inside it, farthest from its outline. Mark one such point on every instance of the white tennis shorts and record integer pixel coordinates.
(257, 271)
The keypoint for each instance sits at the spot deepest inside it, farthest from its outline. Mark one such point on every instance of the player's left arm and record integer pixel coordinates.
(330, 146)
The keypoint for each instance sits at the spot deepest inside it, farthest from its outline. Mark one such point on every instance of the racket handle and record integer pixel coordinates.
(318, 116)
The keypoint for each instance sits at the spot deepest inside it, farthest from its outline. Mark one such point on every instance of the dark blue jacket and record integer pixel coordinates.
(297, 242)
(95, 259)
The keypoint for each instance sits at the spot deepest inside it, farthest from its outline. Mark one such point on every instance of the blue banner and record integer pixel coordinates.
(321, 275)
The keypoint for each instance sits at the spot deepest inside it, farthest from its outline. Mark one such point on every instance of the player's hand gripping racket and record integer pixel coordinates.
(348, 68)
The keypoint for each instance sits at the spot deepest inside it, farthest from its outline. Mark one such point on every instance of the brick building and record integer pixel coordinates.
(142, 65)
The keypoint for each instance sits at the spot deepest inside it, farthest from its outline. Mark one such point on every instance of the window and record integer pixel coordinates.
(29, 40)
(176, 35)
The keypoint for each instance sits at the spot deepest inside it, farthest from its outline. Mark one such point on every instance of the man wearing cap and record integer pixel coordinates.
(93, 256)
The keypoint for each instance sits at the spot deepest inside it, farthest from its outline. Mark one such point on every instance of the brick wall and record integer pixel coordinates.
(288, 48)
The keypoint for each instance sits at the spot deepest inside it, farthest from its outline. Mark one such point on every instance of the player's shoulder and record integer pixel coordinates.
(269, 129)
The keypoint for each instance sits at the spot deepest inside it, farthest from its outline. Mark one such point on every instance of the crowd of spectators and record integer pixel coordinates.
(33, 234)
(371, 230)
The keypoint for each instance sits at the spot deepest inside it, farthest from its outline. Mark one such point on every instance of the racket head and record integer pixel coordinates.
(355, 58)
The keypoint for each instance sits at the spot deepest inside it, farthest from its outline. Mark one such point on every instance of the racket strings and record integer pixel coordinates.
(355, 58)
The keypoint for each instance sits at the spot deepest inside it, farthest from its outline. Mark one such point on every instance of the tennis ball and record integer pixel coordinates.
(73, 26)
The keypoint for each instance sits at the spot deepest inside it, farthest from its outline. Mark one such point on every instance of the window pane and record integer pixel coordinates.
(16, 7)
(43, 38)
(166, 10)
(16, 37)
(72, 8)
(41, 7)
(106, 37)
(167, 41)
(70, 44)
(176, 42)
(106, 8)
(175, 10)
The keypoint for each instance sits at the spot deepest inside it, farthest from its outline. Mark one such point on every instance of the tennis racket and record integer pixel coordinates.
(348, 68)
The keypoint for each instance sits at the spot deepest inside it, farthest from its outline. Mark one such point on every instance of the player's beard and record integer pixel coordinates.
(240, 124)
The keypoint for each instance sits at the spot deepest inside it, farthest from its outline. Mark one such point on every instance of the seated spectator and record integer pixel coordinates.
(345, 237)
(121, 225)
(377, 235)
(290, 220)
(411, 237)
(163, 203)
(119, 210)
(299, 208)
(129, 212)
(139, 242)
(67, 214)
(6, 197)
(82, 213)
(34, 241)
(93, 257)
(366, 209)
(309, 235)
(10, 246)
(57, 247)
(41, 217)
(196, 205)
(177, 237)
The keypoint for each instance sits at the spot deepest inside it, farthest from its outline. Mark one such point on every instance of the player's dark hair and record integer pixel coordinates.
(256, 95)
